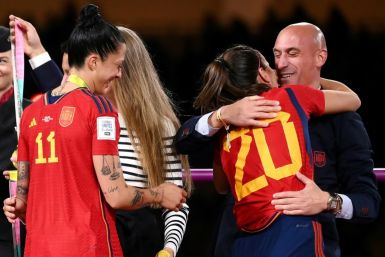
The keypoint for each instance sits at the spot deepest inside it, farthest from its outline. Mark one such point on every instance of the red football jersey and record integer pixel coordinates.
(67, 214)
(263, 161)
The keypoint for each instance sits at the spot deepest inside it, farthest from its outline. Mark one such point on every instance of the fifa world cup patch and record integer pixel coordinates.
(106, 128)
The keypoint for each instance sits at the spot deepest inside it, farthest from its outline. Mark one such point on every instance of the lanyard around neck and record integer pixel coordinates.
(78, 81)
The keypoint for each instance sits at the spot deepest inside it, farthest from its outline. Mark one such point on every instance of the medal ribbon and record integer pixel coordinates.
(76, 80)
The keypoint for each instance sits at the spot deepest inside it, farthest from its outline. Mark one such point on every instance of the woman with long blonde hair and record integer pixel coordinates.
(148, 125)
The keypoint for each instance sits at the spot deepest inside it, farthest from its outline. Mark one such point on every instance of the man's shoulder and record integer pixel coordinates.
(348, 120)
(340, 123)
(346, 116)
(339, 118)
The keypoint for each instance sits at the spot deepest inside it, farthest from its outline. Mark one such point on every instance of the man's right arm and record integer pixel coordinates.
(47, 75)
(45, 72)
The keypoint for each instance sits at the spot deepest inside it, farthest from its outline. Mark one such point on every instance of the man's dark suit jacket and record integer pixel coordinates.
(343, 163)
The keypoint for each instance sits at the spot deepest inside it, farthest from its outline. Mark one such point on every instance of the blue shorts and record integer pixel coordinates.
(287, 236)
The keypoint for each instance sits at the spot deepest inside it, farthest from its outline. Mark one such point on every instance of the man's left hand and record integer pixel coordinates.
(308, 201)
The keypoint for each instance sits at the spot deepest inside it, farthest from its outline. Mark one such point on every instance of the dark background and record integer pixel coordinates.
(356, 57)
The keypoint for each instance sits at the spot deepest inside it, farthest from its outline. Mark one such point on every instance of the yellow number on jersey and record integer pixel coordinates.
(243, 190)
(40, 155)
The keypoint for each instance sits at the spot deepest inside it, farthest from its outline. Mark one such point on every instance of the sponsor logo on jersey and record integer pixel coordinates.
(106, 128)
(32, 123)
(67, 116)
(47, 118)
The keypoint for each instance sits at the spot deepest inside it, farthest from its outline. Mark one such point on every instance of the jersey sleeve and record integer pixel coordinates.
(105, 129)
(312, 100)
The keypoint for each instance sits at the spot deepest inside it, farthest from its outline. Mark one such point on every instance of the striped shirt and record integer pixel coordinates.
(134, 175)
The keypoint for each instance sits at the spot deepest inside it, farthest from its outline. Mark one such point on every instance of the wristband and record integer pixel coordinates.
(227, 127)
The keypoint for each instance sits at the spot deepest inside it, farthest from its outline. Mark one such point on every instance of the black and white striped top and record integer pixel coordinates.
(175, 222)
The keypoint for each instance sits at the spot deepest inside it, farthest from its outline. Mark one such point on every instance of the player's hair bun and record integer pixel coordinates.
(89, 16)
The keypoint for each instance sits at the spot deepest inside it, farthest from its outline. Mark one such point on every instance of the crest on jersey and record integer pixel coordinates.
(66, 116)
(319, 158)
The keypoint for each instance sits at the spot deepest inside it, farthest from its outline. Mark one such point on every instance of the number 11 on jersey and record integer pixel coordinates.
(40, 154)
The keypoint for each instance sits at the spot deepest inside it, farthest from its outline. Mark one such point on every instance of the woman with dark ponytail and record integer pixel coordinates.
(70, 176)
(254, 163)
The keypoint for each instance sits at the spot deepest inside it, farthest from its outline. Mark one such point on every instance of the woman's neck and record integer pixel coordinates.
(84, 76)
(72, 82)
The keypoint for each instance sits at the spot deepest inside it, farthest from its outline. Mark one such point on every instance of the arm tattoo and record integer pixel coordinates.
(157, 194)
(138, 198)
(116, 165)
(111, 190)
(106, 169)
(23, 172)
(22, 190)
(154, 193)
(23, 179)
(115, 175)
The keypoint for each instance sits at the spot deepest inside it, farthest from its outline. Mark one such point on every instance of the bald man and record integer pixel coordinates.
(300, 52)
(345, 183)
(341, 146)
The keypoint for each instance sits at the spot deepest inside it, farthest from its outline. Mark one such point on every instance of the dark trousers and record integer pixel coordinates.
(140, 232)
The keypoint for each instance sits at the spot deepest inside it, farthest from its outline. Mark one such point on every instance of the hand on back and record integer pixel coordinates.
(250, 111)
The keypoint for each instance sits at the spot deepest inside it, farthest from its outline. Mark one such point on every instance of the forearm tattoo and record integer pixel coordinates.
(154, 193)
(23, 172)
(157, 194)
(22, 190)
(113, 189)
(23, 179)
(138, 198)
(112, 171)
